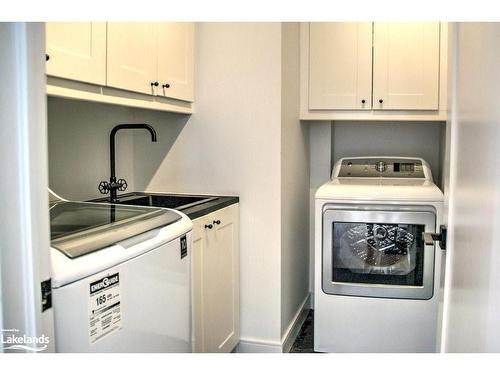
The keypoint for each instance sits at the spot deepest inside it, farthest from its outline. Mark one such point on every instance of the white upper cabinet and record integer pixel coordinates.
(373, 71)
(406, 66)
(152, 58)
(77, 51)
(135, 64)
(340, 65)
(132, 60)
(176, 60)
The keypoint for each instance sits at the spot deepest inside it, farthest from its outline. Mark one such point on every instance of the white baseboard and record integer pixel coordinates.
(283, 346)
(258, 346)
(294, 328)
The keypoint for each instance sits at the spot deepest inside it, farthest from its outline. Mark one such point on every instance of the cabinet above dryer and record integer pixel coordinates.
(373, 71)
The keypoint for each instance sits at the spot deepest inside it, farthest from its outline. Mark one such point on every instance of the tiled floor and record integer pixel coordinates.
(305, 339)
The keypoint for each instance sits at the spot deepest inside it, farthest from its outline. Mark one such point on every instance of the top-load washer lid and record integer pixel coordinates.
(79, 228)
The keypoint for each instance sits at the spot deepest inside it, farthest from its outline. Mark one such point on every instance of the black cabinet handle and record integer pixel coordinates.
(209, 226)
(380, 101)
(154, 84)
(166, 85)
(363, 101)
(47, 57)
(217, 222)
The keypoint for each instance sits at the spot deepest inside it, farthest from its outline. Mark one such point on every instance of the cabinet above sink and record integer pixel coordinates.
(136, 64)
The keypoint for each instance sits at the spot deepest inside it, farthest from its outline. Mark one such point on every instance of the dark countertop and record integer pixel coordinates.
(192, 211)
(209, 207)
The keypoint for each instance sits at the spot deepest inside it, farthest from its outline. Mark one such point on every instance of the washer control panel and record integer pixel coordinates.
(381, 167)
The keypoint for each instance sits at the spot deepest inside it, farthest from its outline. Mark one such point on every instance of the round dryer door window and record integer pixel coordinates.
(378, 253)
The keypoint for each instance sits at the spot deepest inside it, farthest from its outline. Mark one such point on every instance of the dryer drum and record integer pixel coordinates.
(379, 246)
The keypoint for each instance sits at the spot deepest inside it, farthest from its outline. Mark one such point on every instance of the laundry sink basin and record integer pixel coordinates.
(193, 206)
(179, 202)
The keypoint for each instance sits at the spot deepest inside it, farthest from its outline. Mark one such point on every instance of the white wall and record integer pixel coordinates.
(294, 185)
(472, 318)
(320, 137)
(79, 145)
(1, 298)
(231, 145)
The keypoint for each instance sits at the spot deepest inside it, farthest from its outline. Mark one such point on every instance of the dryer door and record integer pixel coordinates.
(374, 252)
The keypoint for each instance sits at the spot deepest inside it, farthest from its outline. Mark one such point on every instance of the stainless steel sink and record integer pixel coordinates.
(178, 202)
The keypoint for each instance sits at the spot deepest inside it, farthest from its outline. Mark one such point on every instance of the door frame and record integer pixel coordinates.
(25, 231)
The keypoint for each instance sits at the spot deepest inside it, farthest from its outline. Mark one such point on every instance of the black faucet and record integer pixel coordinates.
(114, 185)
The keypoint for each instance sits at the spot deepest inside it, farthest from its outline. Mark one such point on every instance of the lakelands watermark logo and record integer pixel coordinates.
(12, 339)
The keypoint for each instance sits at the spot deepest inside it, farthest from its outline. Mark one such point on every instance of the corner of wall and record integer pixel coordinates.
(295, 174)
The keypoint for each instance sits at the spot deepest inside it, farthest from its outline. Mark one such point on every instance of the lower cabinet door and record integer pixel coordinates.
(216, 312)
(198, 250)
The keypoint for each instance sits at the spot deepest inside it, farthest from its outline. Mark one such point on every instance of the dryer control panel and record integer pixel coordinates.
(380, 167)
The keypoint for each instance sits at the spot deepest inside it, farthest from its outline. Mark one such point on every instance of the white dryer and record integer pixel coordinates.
(377, 284)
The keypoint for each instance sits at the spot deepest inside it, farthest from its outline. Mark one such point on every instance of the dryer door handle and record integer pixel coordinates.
(430, 238)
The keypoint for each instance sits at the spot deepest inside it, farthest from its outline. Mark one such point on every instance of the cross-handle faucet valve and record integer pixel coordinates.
(106, 186)
(114, 185)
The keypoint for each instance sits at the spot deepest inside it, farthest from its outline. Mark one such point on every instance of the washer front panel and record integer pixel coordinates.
(388, 244)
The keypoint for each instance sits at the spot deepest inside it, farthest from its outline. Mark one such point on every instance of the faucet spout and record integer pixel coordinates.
(112, 141)
(113, 186)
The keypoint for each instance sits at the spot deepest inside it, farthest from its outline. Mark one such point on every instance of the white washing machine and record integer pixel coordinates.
(377, 283)
(120, 278)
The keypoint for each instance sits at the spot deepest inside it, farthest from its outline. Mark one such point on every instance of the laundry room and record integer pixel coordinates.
(192, 185)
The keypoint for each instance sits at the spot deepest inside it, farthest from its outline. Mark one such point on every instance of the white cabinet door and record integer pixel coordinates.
(216, 310)
(176, 60)
(406, 66)
(77, 51)
(132, 56)
(340, 65)
(197, 256)
(222, 282)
